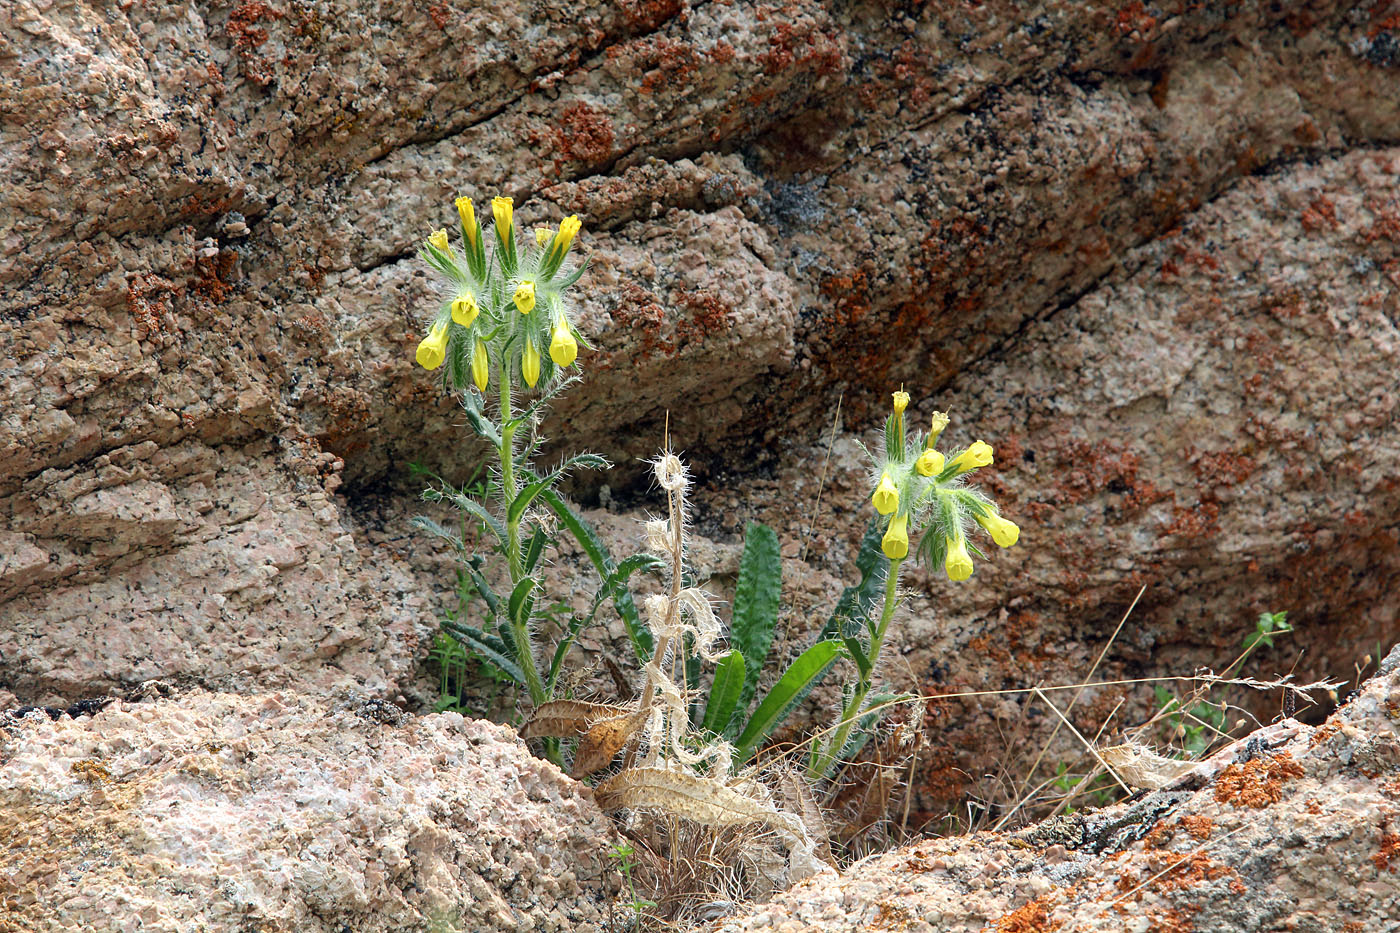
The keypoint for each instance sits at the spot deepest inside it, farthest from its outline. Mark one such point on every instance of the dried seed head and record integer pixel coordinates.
(658, 537)
(670, 472)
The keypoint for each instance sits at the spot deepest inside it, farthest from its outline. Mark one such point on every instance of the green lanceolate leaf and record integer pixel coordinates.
(469, 505)
(724, 692)
(616, 580)
(482, 425)
(534, 548)
(519, 601)
(856, 601)
(598, 553)
(801, 676)
(756, 602)
(487, 647)
(858, 655)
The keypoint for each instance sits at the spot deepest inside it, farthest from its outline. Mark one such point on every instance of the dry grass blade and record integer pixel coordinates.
(700, 800)
(603, 740)
(563, 719)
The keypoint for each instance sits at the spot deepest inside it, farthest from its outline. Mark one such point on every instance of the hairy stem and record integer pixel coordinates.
(850, 713)
(520, 628)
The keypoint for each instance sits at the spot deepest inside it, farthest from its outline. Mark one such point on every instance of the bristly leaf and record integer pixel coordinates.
(469, 505)
(803, 674)
(724, 692)
(487, 647)
(482, 425)
(602, 561)
(534, 548)
(856, 601)
(519, 601)
(756, 598)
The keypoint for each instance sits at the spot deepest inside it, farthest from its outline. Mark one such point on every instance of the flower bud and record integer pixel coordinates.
(958, 564)
(438, 240)
(432, 349)
(568, 229)
(530, 363)
(543, 235)
(895, 543)
(940, 421)
(901, 401)
(503, 209)
(930, 463)
(1003, 532)
(886, 497)
(563, 348)
(978, 455)
(481, 365)
(468, 215)
(525, 296)
(465, 309)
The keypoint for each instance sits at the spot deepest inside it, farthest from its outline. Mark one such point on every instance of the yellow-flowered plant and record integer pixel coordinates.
(918, 494)
(505, 302)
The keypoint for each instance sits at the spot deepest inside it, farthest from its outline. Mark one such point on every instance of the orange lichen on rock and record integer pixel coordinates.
(1031, 917)
(1198, 825)
(1256, 783)
(1390, 848)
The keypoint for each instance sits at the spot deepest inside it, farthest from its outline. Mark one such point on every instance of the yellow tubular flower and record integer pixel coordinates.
(886, 497)
(530, 363)
(468, 215)
(563, 348)
(1003, 532)
(958, 564)
(930, 463)
(543, 235)
(978, 455)
(895, 543)
(525, 297)
(901, 401)
(465, 310)
(503, 209)
(568, 229)
(481, 365)
(432, 349)
(439, 240)
(940, 421)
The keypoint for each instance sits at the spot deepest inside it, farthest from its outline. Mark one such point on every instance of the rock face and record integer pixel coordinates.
(1298, 837)
(284, 812)
(1150, 251)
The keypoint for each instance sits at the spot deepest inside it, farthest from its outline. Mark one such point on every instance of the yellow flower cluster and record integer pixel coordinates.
(918, 485)
(537, 276)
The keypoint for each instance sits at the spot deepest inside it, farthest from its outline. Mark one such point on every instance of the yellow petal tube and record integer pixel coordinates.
(930, 463)
(438, 240)
(503, 209)
(481, 365)
(465, 310)
(958, 564)
(432, 349)
(886, 497)
(543, 235)
(530, 363)
(940, 421)
(525, 296)
(467, 212)
(563, 348)
(901, 401)
(568, 229)
(1003, 532)
(978, 455)
(895, 543)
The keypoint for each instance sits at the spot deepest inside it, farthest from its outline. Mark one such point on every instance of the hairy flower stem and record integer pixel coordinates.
(850, 713)
(519, 627)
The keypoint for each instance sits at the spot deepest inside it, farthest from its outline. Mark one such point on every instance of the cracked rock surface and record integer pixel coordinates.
(1299, 837)
(1150, 251)
(288, 812)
